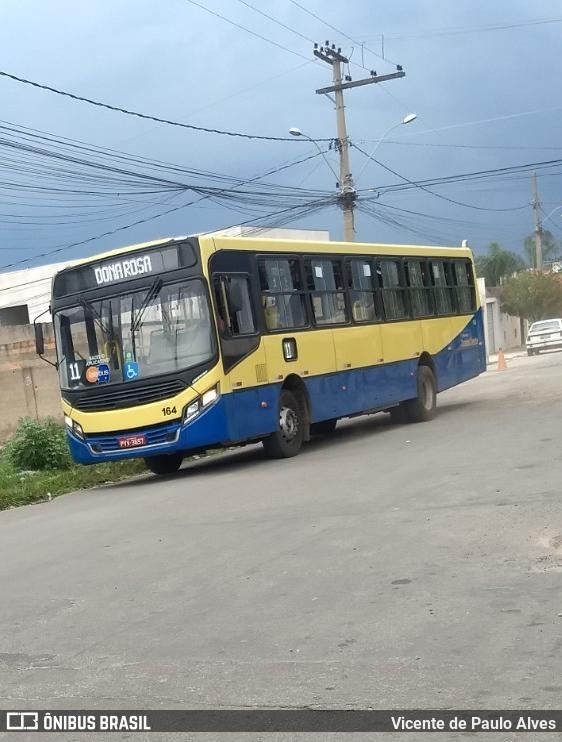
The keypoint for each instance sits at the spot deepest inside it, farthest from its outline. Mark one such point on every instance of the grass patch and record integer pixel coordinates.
(25, 487)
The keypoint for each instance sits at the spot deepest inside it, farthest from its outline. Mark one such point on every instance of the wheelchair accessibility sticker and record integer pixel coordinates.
(131, 370)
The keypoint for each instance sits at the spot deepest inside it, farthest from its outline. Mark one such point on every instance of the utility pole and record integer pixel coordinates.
(538, 226)
(348, 195)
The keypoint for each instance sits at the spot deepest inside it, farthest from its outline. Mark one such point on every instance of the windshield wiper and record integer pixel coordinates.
(86, 305)
(153, 292)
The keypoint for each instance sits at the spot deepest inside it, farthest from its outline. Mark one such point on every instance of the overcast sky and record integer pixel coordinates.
(174, 60)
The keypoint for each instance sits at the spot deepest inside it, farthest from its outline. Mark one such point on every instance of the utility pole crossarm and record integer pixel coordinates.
(330, 55)
(321, 56)
(365, 81)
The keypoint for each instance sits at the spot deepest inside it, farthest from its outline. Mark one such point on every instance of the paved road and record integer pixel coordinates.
(387, 566)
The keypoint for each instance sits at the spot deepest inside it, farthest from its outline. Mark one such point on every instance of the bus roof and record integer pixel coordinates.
(269, 244)
(309, 246)
(126, 248)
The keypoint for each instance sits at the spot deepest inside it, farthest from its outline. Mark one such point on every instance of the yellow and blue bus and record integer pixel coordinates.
(170, 348)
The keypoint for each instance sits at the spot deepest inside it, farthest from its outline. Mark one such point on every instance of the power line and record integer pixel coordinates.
(372, 212)
(78, 170)
(427, 190)
(235, 94)
(451, 31)
(339, 31)
(48, 138)
(284, 216)
(438, 218)
(462, 146)
(248, 30)
(464, 177)
(492, 119)
(148, 117)
(322, 200)
(109, 233)
(275, 20)
(550, 219)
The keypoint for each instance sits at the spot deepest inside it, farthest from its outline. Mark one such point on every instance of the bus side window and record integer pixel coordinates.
(393, 290)
(420, 288)
(282, 293)
(464, 286)
(234, 316)
(442, 287)
(362, 290)
(325, 283)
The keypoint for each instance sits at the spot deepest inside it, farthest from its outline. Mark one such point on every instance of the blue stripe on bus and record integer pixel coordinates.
(464, 357)
(252, 413)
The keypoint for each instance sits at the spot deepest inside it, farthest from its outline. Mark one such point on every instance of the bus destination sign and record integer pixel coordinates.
(126, 267)
(122, 269)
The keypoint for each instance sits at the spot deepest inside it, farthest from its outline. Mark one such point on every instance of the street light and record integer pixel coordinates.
(296, 132)
(406, 120)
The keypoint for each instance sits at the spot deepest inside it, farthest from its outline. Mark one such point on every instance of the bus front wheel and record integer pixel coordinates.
(422, 407)
(164, 464)
(287, 440)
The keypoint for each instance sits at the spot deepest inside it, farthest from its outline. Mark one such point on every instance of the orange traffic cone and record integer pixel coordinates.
(501, 361)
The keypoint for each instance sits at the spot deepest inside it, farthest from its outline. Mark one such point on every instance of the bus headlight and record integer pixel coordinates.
(74, 427)
(210, 396)
(191, 410)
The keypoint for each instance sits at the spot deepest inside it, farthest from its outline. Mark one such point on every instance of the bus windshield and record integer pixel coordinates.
(157, 330)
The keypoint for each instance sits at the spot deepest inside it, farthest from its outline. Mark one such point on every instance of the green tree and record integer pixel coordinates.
(498, 264)
(533, 295)
(550, 247)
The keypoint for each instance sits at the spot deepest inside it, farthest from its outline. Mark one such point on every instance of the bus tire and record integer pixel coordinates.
(422, 408)
(287, 440)
(324, 427)
(164, 464)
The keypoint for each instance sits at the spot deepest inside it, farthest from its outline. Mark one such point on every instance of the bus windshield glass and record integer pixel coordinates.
(157, 330)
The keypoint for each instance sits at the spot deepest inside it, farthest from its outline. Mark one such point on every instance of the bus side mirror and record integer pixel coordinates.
(40, 344)
(39, 339)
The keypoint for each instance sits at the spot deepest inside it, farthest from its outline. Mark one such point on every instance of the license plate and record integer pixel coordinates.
(130, 441)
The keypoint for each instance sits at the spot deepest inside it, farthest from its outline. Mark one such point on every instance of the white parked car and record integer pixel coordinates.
(544, 335)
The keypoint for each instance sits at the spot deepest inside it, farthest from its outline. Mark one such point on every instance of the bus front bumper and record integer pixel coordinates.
(206, 429)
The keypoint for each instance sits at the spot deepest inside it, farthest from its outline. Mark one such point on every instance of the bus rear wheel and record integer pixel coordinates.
(164, 464)
(422, 408)
(287, 440)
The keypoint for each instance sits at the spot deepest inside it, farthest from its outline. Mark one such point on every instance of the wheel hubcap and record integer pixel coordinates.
(288, 423)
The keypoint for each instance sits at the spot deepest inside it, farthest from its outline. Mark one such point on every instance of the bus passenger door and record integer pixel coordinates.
(249, 407)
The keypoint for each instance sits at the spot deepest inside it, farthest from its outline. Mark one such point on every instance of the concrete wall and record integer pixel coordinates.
(502, 331)
(31, 287)
(28, 386)
(511, 331)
